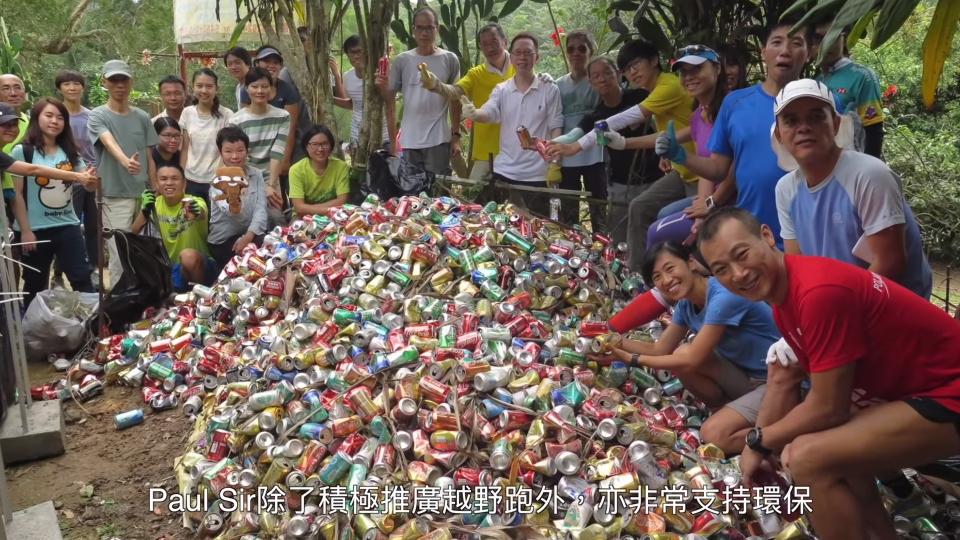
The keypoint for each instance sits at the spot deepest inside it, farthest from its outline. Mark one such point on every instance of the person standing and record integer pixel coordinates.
(45, 221)
(525, 101)
(353, 87)
(200, 123)
(285, 96)
(579, 98)
(14, 93)
(173, 93)
(237, 61)
(71, 85)
(122, 135)
(425, 131)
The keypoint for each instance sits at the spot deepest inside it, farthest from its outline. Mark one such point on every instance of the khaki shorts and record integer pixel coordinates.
(745, 392)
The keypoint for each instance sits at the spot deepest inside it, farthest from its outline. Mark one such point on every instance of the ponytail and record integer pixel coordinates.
(216, 96)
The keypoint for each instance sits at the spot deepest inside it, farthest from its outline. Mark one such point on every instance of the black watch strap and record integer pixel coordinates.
(755, 442)
(635, 360)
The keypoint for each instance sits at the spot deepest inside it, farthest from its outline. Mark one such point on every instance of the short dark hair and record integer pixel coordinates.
(69, 75)
(230, 134)
(351, 42)
(526, 35)
(426, 9)
(257, 73)
(601, 59)
(637, 48)
(586, 37)
(718, 217)
(788, 22)
(172, 79)
(240, 53)
(172, 165)
(315, 130)
(676, 249)
(492, 27)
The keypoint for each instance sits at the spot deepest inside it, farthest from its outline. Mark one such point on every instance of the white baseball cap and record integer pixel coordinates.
(809, 88)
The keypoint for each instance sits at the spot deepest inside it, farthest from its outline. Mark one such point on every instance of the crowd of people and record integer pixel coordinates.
(762, 215)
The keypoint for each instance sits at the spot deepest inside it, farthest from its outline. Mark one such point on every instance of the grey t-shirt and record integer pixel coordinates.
(78, 125)
(578, 98)
(425, 123)
(135, 134)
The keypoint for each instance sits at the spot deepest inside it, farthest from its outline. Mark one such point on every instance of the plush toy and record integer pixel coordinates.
(231, 182)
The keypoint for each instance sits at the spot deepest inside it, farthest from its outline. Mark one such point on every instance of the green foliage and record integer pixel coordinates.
(922, 146)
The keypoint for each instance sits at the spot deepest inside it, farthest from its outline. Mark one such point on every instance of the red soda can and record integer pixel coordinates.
(384, 460)
(594, 328)
(609, 254)
(561, 250)
(313, 454)
(424, 330)
(396, 340)
(424, 254)
(352, 444)
(516, 325)
(219, 448)
(434, 390)
(149, 393)
(160, 345)
(575, 446)
(341, 427)
(602, 238)
(383, 66)
(438, 420)
(454, 236)
(510, 420)
(522, 299)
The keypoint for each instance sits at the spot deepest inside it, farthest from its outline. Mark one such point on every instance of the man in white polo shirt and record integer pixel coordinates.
(522, 101)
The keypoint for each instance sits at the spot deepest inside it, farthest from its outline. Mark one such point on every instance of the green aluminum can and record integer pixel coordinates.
(512, 237)
(448, 336)
(158, 371)
(335, 469)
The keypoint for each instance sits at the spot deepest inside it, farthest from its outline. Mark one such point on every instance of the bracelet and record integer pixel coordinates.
(635, 360)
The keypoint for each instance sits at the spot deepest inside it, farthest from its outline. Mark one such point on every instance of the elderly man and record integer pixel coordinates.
(840, 203)
(14, 93)
(884, 370)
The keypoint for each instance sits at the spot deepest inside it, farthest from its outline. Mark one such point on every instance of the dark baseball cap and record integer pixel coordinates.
(8, 114)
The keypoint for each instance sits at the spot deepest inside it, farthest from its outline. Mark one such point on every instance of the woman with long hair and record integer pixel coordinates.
(45, 221)
(725, 363)
(703, 77)
(200, 123)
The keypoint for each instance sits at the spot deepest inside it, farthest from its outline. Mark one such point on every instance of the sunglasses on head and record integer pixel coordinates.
(693, 49)
(577, 48)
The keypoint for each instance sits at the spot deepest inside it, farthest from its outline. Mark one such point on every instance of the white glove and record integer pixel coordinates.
(615, 141)
(781, 352)
(545, 78)
(428, 79)
(567, 138)
(468, 109)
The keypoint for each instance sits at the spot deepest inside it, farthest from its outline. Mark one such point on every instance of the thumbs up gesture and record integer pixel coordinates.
(133, 164)
(668, 147)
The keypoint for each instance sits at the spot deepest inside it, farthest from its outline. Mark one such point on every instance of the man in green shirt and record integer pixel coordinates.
(182, 223)
(319, 181)
(13, 93)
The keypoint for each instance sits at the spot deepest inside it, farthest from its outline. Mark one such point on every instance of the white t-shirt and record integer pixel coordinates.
(353, 86)
(424, 123)
(203, 156)
(539, 110)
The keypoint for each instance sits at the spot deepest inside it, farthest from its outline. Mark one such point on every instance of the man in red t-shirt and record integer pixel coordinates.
(884, 368)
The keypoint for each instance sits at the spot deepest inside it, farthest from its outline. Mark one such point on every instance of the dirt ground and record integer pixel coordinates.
(121, 467)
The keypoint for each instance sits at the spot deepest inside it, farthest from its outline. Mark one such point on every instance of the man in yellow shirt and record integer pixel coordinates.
(13, 92)
(477, 85)
(667, 102)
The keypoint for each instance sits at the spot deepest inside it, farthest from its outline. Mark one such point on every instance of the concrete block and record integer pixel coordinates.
(39, 522)
(44, 437)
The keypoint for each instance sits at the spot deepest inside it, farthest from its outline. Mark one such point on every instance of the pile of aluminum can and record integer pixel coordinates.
(420, 368)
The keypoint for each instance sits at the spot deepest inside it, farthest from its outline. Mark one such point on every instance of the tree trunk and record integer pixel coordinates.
(373, 22)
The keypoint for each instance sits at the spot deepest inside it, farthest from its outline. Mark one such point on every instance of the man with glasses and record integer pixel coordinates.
(579, 98)
(353, 86)
(667, 102)
(14, 93)
(523, 102)
(477, 86)
(121, 135)
(425, 133)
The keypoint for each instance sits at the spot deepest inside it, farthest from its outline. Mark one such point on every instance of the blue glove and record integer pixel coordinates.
(668, 147)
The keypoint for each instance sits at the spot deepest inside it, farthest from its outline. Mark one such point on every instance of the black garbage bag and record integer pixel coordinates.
(391, 176)
(145, 281)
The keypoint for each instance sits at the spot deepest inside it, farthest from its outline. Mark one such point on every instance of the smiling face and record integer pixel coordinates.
(205, 89)
(807, 128)
(170, 182)
(524, 55)
(170, 140)
(784, 54)
(71, 91)
(50, 122)
(699, 81)
(237, 69)
(273, 64)
(319, 147)
(744, 263)
(259, 91)
(12, 91)
(673, 276)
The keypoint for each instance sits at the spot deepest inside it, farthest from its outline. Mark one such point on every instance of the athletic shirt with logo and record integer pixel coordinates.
(836, 314)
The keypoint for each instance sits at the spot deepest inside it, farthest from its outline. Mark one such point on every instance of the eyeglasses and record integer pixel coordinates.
(582, 49)
(424, 29)
(355, 52)
(319, 146)
(633, 66)
(523, 54)
(171, 136)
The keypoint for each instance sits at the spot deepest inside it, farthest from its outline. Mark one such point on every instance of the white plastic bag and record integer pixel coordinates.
(54, 322)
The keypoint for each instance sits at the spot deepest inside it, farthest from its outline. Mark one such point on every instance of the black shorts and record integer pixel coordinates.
(934, 411)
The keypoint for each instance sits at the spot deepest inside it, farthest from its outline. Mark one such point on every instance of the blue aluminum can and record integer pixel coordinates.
(128, 419)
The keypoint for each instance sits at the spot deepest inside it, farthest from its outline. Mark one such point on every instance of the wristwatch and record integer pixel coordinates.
(709, 202)
(634, 360)
(755, 442)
